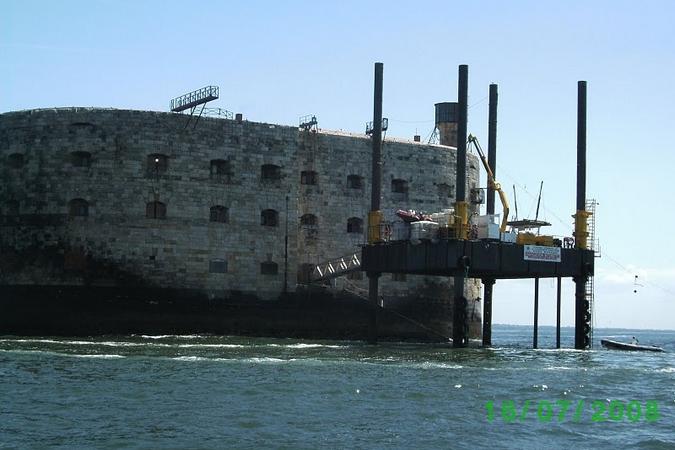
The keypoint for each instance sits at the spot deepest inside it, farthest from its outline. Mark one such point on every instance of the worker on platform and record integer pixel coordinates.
(634, 341)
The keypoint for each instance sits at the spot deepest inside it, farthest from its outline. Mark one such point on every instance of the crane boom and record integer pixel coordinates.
(536, 216)
(492, 183)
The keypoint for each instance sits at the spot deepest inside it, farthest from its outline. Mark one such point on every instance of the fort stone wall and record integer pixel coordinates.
(103, 197)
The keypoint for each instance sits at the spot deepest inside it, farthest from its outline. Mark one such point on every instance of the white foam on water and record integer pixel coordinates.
(312, 346)
(559, 368)
(31, 341)
(173, 336)
(118, 344)
(302, 345)
(268, 360)
(103, 343)
(96, 356)
(29, 351)
(561, 350)
(190, 358)
(436, 365)
(66, 355)
(209, 346)
(666, 370)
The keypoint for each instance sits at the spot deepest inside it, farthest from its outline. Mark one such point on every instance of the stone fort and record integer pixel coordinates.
(129, 221)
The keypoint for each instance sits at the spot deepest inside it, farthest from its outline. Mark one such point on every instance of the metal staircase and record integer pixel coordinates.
(336, 267)
(589, 290)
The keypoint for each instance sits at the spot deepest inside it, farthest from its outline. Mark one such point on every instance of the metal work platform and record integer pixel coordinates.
(463, 257)
(194, 98)
(474, 259)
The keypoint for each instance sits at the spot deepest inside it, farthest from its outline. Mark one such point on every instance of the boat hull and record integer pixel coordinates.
(615, 345)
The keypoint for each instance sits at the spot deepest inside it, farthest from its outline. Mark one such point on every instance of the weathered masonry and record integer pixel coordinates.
(126, 221)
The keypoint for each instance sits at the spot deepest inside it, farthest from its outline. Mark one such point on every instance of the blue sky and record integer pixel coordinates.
(276, 61)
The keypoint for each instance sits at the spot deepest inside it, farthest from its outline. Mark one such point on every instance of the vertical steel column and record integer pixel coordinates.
(581, 146)
(557, 318)
(582, 307)
(459, 319)
(536, 313)
(462, 97)
(492, 144)
(488, 284)
(376, 191)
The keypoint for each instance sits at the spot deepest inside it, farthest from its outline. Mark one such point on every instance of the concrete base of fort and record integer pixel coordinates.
(308, 313)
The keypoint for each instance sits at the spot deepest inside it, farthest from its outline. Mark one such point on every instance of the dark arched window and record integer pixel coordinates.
(309, 220)
(80, 159)
(155, 210)
(78, 207)
(15, 160)
(399, 186)
(269, 218)
(157, 164)
(221, 170)
(218, 214)
(218, 266)
(270, 172)
(355, 182)
(354, 225)
(269, 268)
(308, 177)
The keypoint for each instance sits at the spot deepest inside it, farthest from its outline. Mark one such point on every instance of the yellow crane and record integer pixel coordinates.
(492, 184)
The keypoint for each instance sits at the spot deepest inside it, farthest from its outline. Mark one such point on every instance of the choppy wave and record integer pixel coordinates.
(562, 350)
(67, 355)
(209, 346)
(298, 390)
(174, 336)
(253, 360)
(190, 358)
(434, 365)
(301, 345)
(92, 343)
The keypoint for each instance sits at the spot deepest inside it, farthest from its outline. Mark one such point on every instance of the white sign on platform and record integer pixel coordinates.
(541, 253)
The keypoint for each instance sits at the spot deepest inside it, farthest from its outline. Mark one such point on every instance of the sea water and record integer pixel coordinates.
(233, 392)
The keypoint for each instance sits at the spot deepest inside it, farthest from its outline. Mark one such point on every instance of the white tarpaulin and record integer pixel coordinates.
(541, 253)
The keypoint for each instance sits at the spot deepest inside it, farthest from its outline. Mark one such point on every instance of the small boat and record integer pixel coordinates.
(410, 215)
(626, 346)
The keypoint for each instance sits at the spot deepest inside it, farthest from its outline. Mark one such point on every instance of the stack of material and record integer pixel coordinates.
(400, 231)
(423, 230)
(486, 226)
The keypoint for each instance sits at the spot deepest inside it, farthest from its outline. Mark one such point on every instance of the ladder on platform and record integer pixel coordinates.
(589, 290)
(336, 267)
